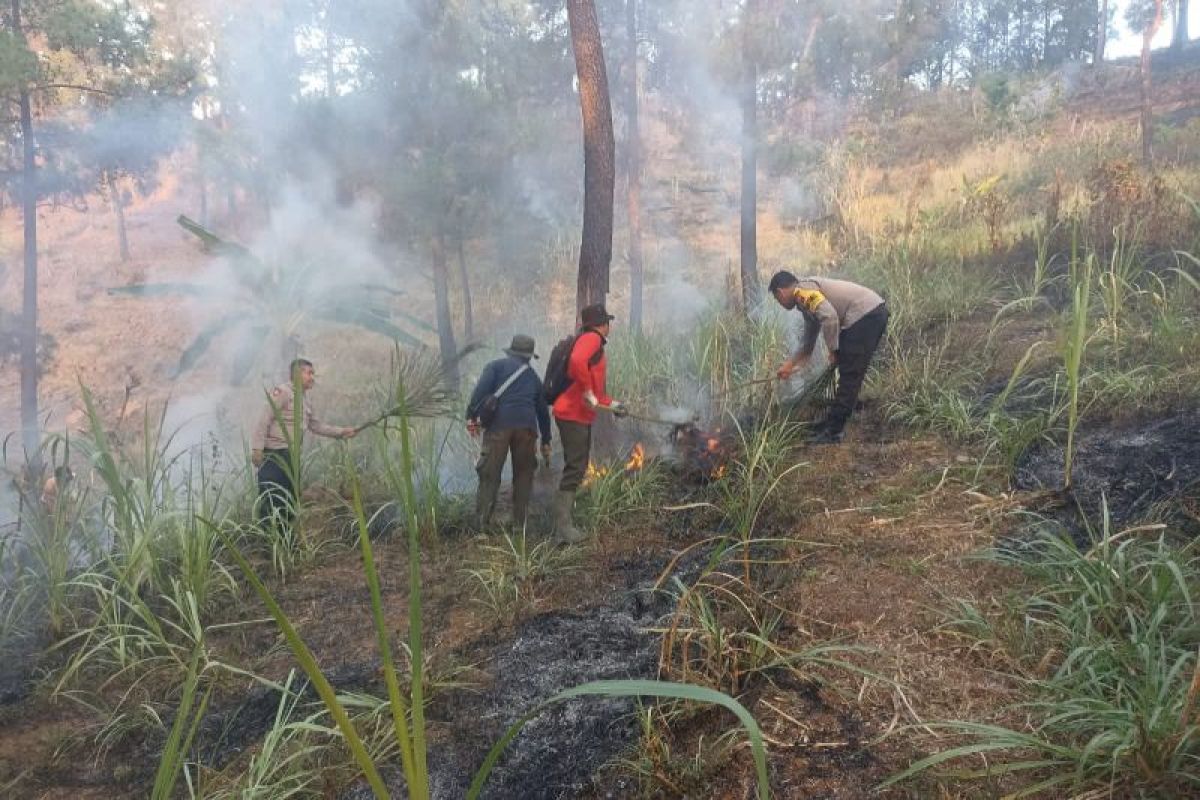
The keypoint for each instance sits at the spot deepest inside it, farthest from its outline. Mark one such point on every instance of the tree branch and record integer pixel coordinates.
(46, 86)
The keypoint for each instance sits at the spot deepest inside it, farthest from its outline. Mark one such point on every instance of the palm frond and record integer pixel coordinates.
(368, 320)
(417, 387)
(213, 243)
(199, 346)
(253, 274)
(364, 298)
(164, 289)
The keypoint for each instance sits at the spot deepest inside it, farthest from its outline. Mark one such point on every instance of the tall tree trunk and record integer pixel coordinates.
(749, 232)
(1147, 108)
(599, 168)
(633, 172)
(30, 435)
(118, 204)
(445, 323)
(1180, 36)
(468, 309)
(1101, 33)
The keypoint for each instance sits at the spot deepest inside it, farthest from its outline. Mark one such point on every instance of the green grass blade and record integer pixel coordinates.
(636, 688)
(309, 664)
(415, 649)
(177, 745)
(399, 712)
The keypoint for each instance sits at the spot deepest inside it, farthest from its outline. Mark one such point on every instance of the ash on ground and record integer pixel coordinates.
(559, 752)
(1148, 469)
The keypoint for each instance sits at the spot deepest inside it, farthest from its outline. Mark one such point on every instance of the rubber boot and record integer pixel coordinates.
(564, 529)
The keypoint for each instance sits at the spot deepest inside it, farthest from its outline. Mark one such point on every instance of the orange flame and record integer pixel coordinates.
(637, 459)
(593, 474)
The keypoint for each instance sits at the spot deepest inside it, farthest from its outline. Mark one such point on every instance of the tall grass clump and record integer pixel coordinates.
(727, 635)
(746, 493)
(143, 498)
(924, 288)
(407, 708)
(507, 575)
(643, 368)
(39, 559)
(14, 597)
(730, 349)
(1031, 294)
(659, 769)
(611, 494)
(141, 608)
(1115, 710)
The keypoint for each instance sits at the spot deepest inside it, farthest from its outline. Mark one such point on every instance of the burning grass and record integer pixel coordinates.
(615, 492)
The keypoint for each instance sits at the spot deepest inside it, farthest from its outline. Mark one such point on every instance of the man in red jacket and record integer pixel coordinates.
(575, 410)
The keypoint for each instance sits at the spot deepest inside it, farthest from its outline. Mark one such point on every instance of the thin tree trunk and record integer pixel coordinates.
(445, 323)
(1147, 107)
(1180, 36)
(30, 435)
(599, 168)
(202, 179)
(633, 173)
(1101, 33)
(811, 37)
(118, 204)
(749, 229)
(468, 310)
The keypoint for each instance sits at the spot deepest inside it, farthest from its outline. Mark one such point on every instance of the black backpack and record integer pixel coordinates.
(556, 380)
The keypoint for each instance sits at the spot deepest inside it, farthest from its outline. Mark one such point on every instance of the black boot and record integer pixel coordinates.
(828, 432)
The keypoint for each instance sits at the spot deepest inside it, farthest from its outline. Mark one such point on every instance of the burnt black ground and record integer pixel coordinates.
(1136, 469)
(18, 661)
(560, 750)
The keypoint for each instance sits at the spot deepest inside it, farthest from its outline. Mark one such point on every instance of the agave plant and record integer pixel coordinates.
(267, 306)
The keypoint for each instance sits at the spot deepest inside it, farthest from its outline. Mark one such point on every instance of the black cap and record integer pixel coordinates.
(595, 315)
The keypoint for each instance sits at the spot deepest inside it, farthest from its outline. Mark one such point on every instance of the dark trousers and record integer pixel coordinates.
(277, 500)
(576, 439)
(497, 445)
(856, 346)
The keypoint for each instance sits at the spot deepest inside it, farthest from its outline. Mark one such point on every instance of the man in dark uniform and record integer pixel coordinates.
(520, 413)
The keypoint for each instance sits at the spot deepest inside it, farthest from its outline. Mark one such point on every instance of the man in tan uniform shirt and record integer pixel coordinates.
(271, 440)
(851, 319)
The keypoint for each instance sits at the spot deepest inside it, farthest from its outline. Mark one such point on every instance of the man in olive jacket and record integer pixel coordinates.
(521, 413)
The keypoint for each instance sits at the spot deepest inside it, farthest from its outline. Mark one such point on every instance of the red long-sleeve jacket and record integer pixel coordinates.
(585, 377)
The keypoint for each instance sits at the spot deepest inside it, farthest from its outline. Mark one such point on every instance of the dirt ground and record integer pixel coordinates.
(882, 531)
